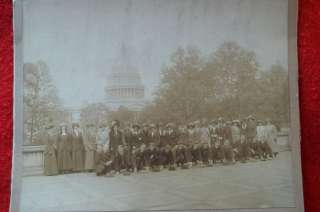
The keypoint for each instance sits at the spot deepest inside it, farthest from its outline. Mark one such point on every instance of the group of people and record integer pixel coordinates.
(154, 147)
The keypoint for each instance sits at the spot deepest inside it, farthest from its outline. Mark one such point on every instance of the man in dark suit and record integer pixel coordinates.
(169, 142)
(116, 136)
(134, 141)
(117, 143)
(153, 148)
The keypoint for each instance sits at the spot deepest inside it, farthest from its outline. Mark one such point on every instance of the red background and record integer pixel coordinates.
(309, 82)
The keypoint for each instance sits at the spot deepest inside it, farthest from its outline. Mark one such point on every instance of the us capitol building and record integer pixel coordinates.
(124, 87)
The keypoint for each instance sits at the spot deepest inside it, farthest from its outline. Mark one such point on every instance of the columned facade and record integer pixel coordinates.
(125, 88)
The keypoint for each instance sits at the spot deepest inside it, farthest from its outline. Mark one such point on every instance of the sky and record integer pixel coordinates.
(83, 40)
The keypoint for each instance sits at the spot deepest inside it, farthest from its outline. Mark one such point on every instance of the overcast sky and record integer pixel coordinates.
(81, 40)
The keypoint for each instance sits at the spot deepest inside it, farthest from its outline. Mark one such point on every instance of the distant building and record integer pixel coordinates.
(124, 88)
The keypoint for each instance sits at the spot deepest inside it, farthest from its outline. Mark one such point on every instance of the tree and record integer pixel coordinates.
(231, 71)
(123, 114)
(274, 94)
(40, 97)
(182, 92)
(229, 83)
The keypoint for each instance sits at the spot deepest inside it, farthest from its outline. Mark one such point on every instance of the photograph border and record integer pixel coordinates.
(17, 159)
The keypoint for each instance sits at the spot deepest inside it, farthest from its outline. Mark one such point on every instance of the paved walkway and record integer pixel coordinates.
(251, 185)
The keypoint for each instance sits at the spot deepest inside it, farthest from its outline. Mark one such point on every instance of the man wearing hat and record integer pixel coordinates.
(220, 129)
(105, 163)
(161, 131)
(194, 142)
(243, 149)
(153, 150)
(228, 132)
(235, 130)
(168, 142)
(116, 136)
(183, 154)
(134, 141)
(212, 131)
(117, 142)
(228, 153)
(154, 135)
(251, 134)
(251, 129)
(205, 144)
(144, 147)
(216, 150)
(153, 155)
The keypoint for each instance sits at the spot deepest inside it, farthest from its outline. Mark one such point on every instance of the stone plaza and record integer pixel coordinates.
(256, 184)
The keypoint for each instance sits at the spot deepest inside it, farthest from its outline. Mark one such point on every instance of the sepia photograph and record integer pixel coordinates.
(132, 105)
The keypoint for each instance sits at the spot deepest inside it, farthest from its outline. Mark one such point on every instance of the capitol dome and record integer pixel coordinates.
(124, 87)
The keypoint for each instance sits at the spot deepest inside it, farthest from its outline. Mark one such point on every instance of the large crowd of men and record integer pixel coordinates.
(126, 149)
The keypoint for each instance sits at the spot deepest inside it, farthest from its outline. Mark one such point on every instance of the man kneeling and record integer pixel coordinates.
(104, 163)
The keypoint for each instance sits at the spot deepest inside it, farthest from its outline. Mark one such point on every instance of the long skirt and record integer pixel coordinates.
(50, 164)
(89, 160)
(78, 160)
(64, 161)
(273, 145)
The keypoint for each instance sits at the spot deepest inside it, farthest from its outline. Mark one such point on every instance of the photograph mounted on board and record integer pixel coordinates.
(157, 105)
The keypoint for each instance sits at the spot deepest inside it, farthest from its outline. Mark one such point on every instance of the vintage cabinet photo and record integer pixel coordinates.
(156, 105)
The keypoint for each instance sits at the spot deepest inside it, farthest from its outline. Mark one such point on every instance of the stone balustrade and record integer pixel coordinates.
(33, 160)
(283, 140)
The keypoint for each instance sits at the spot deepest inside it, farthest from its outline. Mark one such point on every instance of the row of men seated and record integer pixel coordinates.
(154, 157)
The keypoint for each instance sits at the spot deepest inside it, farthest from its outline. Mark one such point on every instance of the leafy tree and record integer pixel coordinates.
(229, 83)
(123, 114)
(41, 101)
(231, 71)
(274, 94)
(182, 90)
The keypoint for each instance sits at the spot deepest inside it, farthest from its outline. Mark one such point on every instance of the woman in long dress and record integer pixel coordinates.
(77, 149)
(102, 137)
(64, 145)
(90, 148)
(50, 159)
(271, 134)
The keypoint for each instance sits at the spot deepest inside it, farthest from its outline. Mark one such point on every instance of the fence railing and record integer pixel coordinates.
(33, 160)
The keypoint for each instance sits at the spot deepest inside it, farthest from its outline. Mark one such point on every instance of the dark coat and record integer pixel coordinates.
(101, 160)
(220, 131)
(171, 138)
(134, 140)
(145, 137)
(251, 130)
(116, 139)
(228, 133)
(64, 152)
(50, 159)
(78, 152)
